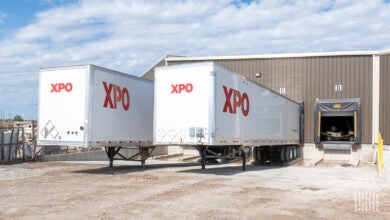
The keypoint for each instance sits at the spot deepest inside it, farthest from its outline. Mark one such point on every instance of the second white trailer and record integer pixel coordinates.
(218, 111)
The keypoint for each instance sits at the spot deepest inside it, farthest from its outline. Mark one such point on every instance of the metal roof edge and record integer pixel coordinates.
(163, 58)
(292, 55)
(383, 52)
(154, 64)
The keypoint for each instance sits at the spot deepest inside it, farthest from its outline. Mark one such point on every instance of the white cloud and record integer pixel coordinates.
(2, 16)
(129, 36)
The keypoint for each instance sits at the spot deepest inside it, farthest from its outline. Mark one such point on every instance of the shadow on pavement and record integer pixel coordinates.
(226, 169)
(124, 169)
(229, 170)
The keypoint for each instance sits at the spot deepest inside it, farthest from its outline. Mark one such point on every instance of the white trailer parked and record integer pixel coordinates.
(222, 114)
(90, 106)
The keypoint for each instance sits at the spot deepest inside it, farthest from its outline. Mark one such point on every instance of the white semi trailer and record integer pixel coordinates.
(90, 106)
(223, 114)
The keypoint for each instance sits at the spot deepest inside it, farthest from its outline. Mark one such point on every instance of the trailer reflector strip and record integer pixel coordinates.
(122, 142)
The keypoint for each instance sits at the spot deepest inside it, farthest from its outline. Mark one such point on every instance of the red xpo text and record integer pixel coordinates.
(178, 88)
(58, 87)
(114, 95)
(234, 100)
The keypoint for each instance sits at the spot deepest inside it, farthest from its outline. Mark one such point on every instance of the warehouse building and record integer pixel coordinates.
(325, 83)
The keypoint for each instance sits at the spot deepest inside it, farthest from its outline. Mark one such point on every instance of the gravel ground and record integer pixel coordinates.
(167, 190)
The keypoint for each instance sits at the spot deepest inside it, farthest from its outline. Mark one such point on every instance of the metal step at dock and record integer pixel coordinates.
(339, 151)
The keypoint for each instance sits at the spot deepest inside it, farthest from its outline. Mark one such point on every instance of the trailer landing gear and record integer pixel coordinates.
(243, 157)
(142, 154)
(215, 152)
(111, 152)
(203, 157)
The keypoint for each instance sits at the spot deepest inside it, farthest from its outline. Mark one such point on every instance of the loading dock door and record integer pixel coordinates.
(337, 120)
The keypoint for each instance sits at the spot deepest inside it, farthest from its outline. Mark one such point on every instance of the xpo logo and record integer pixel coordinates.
(234, 100)
(115, 95)
(58, 87)
(178, 88)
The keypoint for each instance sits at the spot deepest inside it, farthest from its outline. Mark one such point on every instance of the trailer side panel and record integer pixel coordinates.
(250, 114)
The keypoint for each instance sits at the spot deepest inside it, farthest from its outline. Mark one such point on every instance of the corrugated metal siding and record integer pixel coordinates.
(384, 98)
(308, 78)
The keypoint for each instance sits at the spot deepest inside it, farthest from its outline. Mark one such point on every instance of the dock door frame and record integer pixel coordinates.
(333, 106)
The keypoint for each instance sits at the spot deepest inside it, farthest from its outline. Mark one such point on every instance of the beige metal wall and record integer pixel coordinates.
(384, 98)
(308, 78)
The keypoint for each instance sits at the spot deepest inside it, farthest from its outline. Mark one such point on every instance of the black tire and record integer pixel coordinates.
(259, 155)
(288, 154)
(283, 154)
(294, 149)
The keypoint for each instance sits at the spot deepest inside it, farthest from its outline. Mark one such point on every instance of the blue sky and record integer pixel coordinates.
(22, 12)
(130, 36)
(19, 12)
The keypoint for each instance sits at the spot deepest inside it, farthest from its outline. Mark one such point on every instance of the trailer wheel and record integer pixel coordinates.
(294, 150)
(259, 155)
(288, 154)
(282, 154)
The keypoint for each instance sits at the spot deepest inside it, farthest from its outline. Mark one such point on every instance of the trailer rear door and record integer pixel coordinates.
(181, 108)
(62, 105)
